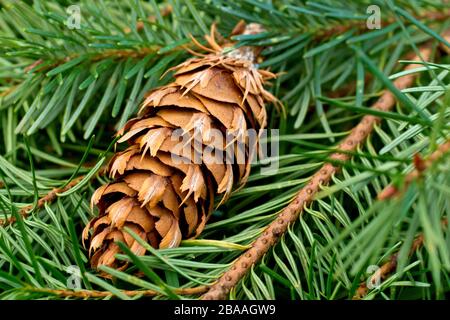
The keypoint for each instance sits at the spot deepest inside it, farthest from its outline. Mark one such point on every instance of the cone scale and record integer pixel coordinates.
(178, 161)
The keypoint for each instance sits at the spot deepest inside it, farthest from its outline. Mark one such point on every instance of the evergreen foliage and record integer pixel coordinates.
(64, 92)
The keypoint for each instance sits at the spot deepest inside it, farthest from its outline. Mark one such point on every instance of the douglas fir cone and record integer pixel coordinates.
(161, 192)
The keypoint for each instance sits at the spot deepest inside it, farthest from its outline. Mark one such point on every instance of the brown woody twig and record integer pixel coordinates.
(48, 198)
(386, 269)
(389, 267)
(420, 166)
(84, 294)
(332, 31)
(389, 192)
(165, 11)
(305, 196)
(434, 16)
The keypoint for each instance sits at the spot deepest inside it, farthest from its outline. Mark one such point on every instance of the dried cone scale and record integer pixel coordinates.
(162, 199)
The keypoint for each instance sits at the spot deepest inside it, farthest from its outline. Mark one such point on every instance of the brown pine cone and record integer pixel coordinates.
(178, 159)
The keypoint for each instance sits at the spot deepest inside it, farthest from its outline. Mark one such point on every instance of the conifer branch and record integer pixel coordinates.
(386, 269)
(333, 31)
(389, 267)
(48, 198)
(420, 166)
(109, 53)
(391, 191)
(305, 196)
(165, 11)
(321, 35)
(102, 71)
(86, 294)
